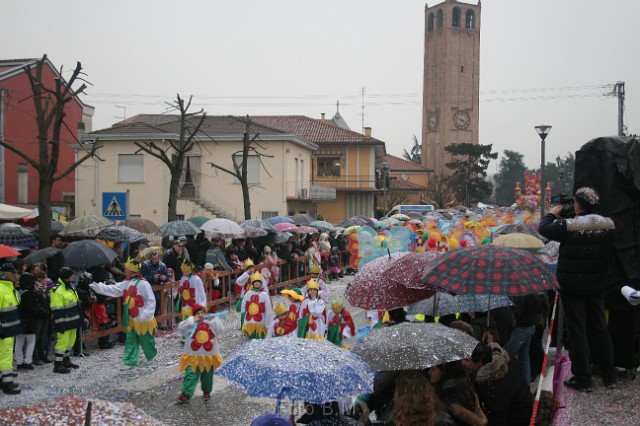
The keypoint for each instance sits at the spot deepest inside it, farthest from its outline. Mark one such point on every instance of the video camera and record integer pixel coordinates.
(568, 208)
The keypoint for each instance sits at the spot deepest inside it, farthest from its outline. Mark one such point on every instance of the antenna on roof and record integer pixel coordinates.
(337, 107)
(363, 110)
(124, 112)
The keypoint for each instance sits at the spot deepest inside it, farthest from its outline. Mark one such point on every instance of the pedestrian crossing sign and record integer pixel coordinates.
(114, 205)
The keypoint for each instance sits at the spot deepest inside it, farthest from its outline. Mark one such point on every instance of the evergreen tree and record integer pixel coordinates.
(511, 170)
(469, 165)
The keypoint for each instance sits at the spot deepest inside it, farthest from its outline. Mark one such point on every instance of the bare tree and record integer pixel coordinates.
(50, 103)
(174, 154)
(439, 190)
(250, 145)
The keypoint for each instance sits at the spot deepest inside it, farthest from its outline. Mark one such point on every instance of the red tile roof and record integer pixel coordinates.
(399, 184)
(397, 164)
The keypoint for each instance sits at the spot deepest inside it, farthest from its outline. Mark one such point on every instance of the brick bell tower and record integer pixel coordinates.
(451, 80)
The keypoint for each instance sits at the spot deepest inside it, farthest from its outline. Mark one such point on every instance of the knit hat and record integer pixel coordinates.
(247, 264)
(65, 272)
(316, 269)
(270, 419)
(266, 249)
(295, 294)
(587, 198)
(208, 265)
(280, 309)
(9, 267)
(195, 308)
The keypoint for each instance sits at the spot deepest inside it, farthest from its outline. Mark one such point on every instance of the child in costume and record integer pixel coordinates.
(334, 264)
(313, 309)
(137, 316)
(339, 324)
(316, 274)
(282, 324)
(295, 297)
(202, 354)
(191, 290)
(256, 307)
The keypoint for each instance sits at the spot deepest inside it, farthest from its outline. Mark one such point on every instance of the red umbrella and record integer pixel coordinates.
(284, 226)
(375, 287)
(6, 251)
(141, 225)
(489, 269)
(408, 268)
(305, 230)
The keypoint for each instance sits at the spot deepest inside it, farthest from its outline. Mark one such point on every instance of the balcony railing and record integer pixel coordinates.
(310, 192)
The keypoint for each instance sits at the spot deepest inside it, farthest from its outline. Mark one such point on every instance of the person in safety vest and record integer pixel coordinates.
(10, 326)
(65, 309)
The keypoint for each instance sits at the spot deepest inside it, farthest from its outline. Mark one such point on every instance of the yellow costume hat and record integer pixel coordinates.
(248, 264)
(313, 284)
(315, 269)
(186, 267)
(280, 309)
(295, 294)
(256, 277)
(132, 265)
(337, 305)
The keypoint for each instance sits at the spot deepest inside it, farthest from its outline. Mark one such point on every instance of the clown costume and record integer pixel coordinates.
(256, 307)
(191, 290)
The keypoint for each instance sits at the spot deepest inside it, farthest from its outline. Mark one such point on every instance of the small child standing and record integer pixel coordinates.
(202, 354)
(334, 264)
(340, 324)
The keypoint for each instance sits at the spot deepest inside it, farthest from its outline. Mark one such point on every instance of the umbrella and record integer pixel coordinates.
(198, 220)
(356, 220)
(351, 229)
(145, 253)
(139, 224)
(284, 226)
(86, 226)
(511, 228)
(490, 269)
(6, 251)
(282, 237)
(415, 215)
(297, 369)
(256, 223)
(322, 226)
(446, 304)
(407, 268)
(368, 291)
(414, 346)
(87, 254)
(302, 219)
(519, 240)
(178, 227)
(222, 228)
(400, 216)
(389, 221)
(304, 230)
(40, 255)
(56, 227)
(254, 232)
(279, 219)
(121, 233)
(14, 235)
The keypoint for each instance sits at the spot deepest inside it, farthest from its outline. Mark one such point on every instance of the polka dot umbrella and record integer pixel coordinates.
(489, 269)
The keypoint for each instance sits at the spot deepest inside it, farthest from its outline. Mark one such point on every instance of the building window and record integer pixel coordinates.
(268, 215)
(431, 22)
(130, 168)
(440, 18)
(470, 21)
(253, 168)
(455, 18)
(329, 167)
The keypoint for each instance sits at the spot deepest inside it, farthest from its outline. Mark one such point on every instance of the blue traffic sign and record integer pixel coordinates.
(114, 205)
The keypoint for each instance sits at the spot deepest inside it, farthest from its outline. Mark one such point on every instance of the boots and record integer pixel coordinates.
(10, 389)
(58, 367)
(66, 362)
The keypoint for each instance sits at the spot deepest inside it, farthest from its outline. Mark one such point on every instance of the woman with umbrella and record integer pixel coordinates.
(137, 316)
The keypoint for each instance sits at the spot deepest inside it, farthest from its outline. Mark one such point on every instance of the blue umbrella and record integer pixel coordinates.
(178, 227)
(299, 369)
(280, 219)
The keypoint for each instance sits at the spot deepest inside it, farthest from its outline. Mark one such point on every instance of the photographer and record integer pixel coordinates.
(586, 242)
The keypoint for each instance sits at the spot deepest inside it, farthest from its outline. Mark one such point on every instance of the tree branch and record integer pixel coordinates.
(29, 160)
(71, 168)
(215, 166)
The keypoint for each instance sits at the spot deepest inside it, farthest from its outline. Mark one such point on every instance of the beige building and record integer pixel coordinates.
(407, 183)
(451, 80)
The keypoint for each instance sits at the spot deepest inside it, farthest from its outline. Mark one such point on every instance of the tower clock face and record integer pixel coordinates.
(432, 121)
(461, 120)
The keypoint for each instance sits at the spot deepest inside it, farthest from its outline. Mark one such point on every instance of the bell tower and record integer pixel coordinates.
(451, 80)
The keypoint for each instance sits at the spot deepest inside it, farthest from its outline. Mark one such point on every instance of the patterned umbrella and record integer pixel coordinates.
(178, 227)
(222, 228)
(415, 215)
(369, 291)
(302, 219)
(198, 220)
(446, 304)
(86, 226)
(121, 233)
(304, 230)
(407, 268)
(297, 369)
(14, 235)
(56, 227)
(489, 269)
(284, 226)
(414, 346)
(255, 223)
(280, 219)
(254, 232)
(40, 255)
(142, 225)
(322, 226)
(87, 254)
(401, 217)
(6, 251)
(519, 240)
(356, 220)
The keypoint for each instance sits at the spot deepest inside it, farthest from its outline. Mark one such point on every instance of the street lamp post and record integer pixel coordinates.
(385, 180)
(543, 131)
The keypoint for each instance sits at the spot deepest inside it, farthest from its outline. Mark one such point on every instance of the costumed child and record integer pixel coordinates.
(313, 311)
(191, 290)
(334, 264)
(295, 297)
(202, 354)
(243, 283)
(10, 326)
(211, 281)
(256, 310)
(316, 274)
(137, 314)
(282, 324)
(339, 324)
(65, 308)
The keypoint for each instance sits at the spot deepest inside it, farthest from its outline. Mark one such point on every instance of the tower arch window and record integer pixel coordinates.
(431, 22)
(439, 18)
(470, 21)
(455, 17)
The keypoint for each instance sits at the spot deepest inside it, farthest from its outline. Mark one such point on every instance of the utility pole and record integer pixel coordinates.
(2, 108)
(618, 90)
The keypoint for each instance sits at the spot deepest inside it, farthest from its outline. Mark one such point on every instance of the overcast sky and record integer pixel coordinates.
(542, 62)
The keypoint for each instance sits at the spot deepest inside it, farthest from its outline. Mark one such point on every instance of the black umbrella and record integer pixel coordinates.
(356, 220)
(121, 233)
(14, 235)
(87, 254)
(40, 255)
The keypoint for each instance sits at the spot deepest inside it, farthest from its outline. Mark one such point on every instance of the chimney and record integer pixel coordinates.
(367, 132)
(322, 117)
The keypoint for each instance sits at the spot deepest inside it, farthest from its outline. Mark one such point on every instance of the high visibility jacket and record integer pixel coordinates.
(9, 310)
(65, 307)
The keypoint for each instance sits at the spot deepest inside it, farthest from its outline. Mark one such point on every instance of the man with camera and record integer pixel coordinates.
(586, 243)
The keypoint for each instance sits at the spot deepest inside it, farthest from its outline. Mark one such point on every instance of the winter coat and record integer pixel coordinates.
(526, 310)
(503, 391)
(33, 306)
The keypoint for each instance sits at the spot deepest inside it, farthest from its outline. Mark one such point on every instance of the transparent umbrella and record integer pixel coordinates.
(86, 226)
